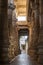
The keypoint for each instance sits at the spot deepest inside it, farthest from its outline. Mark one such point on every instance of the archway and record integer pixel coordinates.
(23, 35)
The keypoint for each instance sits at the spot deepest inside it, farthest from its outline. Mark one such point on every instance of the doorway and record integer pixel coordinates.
(23, 40)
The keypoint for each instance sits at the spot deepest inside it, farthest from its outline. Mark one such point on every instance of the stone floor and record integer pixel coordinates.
(22, 59)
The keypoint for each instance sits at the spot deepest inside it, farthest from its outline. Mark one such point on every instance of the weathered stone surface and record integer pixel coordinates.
(4, 44)
(13, 37)
(36, 30)
(40, 41)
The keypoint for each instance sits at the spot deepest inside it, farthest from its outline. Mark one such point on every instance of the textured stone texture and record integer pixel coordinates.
(3, 33)
(40, 42)
(36, 31)
(8, 34)
(13, 37)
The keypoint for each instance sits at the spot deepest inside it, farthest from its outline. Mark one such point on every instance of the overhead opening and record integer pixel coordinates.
(21, 18)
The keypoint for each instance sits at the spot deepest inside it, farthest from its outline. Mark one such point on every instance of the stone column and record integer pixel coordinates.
(34, 29)
(11, 7)
(4, 43)
(13, 47)
(40, 42)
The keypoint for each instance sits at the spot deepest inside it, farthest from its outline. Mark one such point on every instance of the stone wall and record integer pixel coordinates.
(13, 37)
(8, 38)
(40, 41)
(33, 18)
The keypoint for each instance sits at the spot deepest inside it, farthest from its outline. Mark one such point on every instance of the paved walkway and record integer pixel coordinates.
(22, 59)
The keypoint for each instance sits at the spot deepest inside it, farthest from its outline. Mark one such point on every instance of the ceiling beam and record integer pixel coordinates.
(22, 6)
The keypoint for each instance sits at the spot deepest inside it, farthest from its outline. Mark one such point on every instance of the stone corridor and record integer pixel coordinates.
(21, 32)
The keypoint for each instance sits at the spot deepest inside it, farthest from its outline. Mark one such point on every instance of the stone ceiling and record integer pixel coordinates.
(20, 7)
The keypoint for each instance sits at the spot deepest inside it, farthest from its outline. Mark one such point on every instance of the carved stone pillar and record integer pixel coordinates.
(40, 42)
(34, 29)
(13, 47)
(4, 43)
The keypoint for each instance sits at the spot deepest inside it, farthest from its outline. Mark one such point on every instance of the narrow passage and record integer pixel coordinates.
(22, 59)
